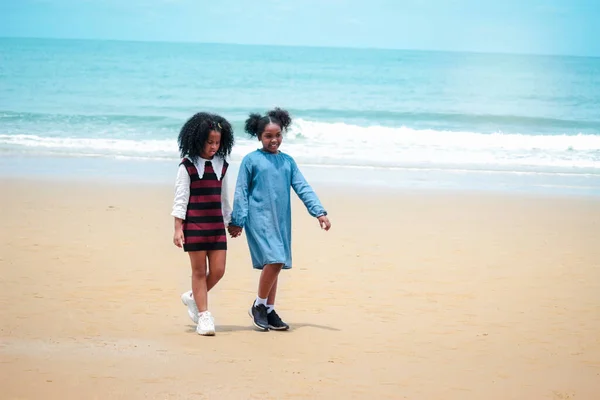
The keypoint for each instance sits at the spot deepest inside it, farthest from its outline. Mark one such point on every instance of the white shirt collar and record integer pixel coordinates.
(217, 164)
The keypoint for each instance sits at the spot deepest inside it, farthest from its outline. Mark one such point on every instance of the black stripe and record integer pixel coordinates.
(207, 219)
(205, 191)
(212, 205)
(205, 232)
(208, 176)
(196, 177)
(205, 246)
(190, 167)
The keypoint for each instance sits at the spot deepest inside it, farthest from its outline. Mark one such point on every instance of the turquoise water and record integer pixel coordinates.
(433, 115)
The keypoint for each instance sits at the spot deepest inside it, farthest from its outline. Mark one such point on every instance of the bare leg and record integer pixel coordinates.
(216, 262)
(266, 283)
(273, 293)
(199, 289)
(274, 321)
(268, 278)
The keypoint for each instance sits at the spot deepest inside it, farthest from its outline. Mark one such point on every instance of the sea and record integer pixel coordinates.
(387, 118)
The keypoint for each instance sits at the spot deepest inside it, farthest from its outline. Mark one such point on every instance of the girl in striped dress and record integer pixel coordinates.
(202, 209)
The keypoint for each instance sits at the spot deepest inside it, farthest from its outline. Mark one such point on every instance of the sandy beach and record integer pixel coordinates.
(411, 295)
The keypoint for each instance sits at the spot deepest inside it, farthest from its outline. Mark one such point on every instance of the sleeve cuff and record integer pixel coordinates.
(232, 222)
(178, 215)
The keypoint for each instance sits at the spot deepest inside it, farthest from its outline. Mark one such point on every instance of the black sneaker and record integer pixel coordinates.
(276, 323)
(259, 316)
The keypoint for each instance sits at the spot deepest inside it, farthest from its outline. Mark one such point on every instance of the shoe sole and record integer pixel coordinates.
(279, 329)
(262, 328)
(190, 313)
(206, 333)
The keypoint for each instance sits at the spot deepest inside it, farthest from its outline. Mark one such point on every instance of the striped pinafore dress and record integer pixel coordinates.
(203, 228)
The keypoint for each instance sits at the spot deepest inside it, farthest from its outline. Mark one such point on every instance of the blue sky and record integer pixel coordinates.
(525, 26)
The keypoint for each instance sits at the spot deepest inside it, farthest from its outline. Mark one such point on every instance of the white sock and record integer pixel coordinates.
(270, 308)
(260, 301)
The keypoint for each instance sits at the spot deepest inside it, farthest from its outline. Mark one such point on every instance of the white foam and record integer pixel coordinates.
(350, 145)
(383, 146)
(94, 146)
(337, 133)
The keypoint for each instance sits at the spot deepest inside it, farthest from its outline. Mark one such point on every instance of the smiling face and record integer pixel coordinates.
(271, 138)
(211, 146)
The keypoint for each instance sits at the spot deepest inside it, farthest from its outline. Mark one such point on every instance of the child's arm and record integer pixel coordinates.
(307, 195)
(178, 238)
(240, 198)
(182, 197)
(225, 203)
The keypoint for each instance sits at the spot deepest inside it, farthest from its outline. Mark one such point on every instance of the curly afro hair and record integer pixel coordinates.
(256, 123)
(195, 131)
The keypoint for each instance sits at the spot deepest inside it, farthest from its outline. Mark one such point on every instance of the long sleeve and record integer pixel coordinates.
(240, 197)
(182, 193)
(225, 201)
(305, 192)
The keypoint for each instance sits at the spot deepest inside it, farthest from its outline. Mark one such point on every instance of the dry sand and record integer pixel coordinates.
(410, 296)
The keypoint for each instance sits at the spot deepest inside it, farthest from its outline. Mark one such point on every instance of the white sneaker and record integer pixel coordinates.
(188, 299)
(206, 324)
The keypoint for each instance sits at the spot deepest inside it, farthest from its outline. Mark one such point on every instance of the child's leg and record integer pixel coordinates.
(216, 270)
(258, 312)
(268, 278)
(272, 294)
(273, 318)
(199, 289)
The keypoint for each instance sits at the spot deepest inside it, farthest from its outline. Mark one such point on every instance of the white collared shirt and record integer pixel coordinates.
(182, 187)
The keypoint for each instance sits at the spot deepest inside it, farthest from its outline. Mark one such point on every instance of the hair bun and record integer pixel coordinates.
(282, 116)
(252, 124)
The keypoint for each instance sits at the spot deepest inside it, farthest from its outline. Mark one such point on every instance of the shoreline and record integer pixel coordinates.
(380, 179)
(337, 192)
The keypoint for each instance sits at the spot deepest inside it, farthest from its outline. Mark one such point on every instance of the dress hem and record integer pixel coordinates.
(260, 267)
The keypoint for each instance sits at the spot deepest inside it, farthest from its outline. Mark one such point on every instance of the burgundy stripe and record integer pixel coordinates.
(211, 183)
(205, 239)
(201, 226)
(216, 212)
(212, 198)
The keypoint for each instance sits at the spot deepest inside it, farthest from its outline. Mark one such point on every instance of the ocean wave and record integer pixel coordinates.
(338, 133)
(387, 118)
(100, 146)
(364, 118)
(340, 143)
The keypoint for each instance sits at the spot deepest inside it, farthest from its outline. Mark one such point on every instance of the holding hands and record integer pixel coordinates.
(234, 231)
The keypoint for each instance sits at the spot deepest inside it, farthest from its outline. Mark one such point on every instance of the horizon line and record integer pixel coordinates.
(303, 46)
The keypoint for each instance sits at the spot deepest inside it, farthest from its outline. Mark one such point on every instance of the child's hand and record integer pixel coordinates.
(234, 231)
(178, 238)
(324, 222)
